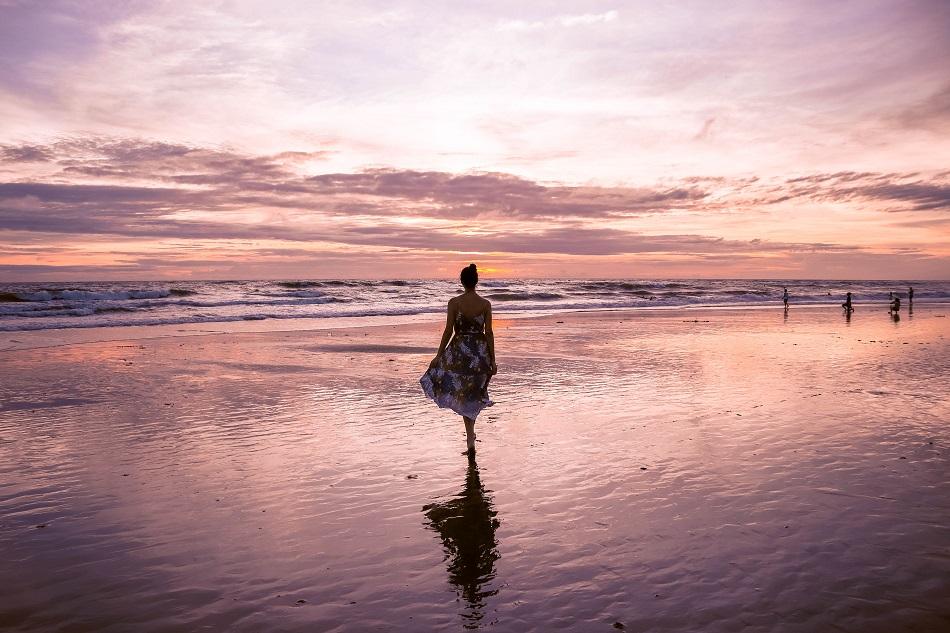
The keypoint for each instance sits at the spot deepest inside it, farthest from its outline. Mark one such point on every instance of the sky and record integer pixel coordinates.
(284, 139)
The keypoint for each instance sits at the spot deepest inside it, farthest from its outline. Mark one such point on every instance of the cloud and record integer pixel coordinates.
(585, 131)
(587, 18)
(269, 263)
(930, 113)
(565, 21)
(138, 212)
(232, 179)
(578, 94)
(894, 192)
(25, 154)
(705, 130)
(571, 240)
(124, 158)
(104, 188)
(504, 195)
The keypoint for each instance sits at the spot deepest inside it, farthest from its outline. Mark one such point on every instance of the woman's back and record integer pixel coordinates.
(471, 305)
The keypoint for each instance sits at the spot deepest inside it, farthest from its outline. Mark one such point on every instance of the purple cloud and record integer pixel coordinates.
(204, 194)
(897, 192)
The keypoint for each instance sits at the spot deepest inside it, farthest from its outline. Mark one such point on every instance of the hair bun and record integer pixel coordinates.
(469, 276)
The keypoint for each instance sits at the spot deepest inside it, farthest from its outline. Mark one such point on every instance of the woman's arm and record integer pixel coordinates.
(490, 336)
(447, 332)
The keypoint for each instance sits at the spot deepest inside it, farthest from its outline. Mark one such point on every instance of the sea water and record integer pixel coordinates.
(40, 306)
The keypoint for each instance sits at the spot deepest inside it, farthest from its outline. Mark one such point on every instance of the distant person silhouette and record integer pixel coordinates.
(910, 295)
(458, 376)
(785, 297)
(847, 304)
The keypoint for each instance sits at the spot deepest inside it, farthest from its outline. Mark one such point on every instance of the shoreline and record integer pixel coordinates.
(15, 340)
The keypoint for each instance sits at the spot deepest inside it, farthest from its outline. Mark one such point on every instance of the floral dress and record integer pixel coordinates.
(459, 381)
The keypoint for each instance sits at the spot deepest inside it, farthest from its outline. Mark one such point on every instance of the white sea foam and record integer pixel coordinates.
(40, 306)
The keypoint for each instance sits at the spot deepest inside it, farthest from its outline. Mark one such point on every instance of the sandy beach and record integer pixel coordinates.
(669, 470)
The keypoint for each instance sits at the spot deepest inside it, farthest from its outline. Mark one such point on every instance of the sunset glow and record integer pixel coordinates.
(241, 140)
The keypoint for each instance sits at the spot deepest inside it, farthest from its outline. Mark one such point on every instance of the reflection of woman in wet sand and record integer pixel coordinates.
(458, 376)
(466, 524)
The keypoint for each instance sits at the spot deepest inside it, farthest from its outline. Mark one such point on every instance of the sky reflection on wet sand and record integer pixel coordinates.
(711, 470)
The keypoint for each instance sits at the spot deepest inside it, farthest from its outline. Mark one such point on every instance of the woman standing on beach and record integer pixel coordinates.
(458, 376)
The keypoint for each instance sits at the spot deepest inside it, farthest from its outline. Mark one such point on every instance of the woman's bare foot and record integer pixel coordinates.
(469, 436)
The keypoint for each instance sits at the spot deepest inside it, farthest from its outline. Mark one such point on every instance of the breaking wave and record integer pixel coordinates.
(43, 306)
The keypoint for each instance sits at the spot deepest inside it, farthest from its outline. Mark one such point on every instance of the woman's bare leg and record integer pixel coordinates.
(469, 433)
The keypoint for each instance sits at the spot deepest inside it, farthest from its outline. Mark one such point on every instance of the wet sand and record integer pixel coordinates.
(700, 470)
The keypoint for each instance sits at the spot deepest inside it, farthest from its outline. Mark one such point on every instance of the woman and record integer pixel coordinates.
(458, 376)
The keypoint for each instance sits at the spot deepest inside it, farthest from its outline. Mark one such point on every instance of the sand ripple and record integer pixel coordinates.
(746, 473)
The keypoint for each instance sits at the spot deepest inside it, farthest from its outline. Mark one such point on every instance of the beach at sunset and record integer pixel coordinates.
(322, 317)
(654, 470)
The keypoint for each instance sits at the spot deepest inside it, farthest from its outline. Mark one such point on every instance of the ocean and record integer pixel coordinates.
(39, 306)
